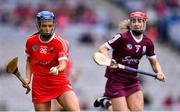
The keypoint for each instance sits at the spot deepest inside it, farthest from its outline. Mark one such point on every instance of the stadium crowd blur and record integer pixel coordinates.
(22, 14)
(163, 21)
(164, 15)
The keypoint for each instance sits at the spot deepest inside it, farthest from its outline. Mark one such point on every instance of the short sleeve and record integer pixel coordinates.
(150, 53)
(63, 50)
(114, 42)
(27, 48)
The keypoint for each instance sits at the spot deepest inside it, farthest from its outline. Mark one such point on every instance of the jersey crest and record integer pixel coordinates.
(51, 49)
(144, 49)
(34, 47)
(129, 46)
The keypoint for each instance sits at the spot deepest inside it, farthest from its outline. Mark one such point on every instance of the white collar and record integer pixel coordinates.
(48, 40)
(137, 40)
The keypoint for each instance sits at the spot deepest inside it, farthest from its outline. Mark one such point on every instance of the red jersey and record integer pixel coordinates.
(44, 55)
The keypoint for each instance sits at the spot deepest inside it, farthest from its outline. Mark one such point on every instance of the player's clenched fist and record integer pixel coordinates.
(54, 71)
(161, 76)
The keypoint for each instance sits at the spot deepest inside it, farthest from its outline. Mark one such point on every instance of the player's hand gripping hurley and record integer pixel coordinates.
(102, 60)
(13, 69)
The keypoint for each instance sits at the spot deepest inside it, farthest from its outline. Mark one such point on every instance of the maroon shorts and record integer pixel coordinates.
(121, 87)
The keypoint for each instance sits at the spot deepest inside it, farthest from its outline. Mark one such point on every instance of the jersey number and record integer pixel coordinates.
(43, 49)
(137, 47)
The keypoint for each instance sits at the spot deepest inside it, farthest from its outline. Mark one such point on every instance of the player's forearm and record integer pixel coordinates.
(157, 69)
(28, 70)
(104, 50)
(156, 66)
(62, 65)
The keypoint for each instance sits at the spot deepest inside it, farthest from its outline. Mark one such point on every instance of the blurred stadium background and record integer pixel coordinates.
(86, 24)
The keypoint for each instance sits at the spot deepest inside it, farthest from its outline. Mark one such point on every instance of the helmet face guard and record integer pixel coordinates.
(138, 22)
(45, 16)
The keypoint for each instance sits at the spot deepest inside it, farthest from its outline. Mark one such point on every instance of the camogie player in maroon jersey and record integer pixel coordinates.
(123, 90)
(47, 59)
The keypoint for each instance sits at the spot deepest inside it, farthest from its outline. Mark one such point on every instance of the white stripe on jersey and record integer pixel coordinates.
(117, 36)
(151, 57)
(107, 45)
(64, 43)
(63, 58)
(69, 86)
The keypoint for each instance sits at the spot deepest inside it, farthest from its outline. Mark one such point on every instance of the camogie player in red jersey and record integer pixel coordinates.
(47, 59)
(123, 91)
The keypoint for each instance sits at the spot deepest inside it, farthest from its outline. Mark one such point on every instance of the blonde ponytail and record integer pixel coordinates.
(124, 24)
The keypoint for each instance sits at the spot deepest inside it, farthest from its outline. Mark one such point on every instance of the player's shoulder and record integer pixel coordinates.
(121, 35)
(145, 37)
(117, 37)
(147, 40)
(58, 37)
(125, 34)
(61, 41)
(33, 37)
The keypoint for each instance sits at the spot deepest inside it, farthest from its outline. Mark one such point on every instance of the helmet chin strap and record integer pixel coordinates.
(140, 31)
(46, 36)
(137, 32)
